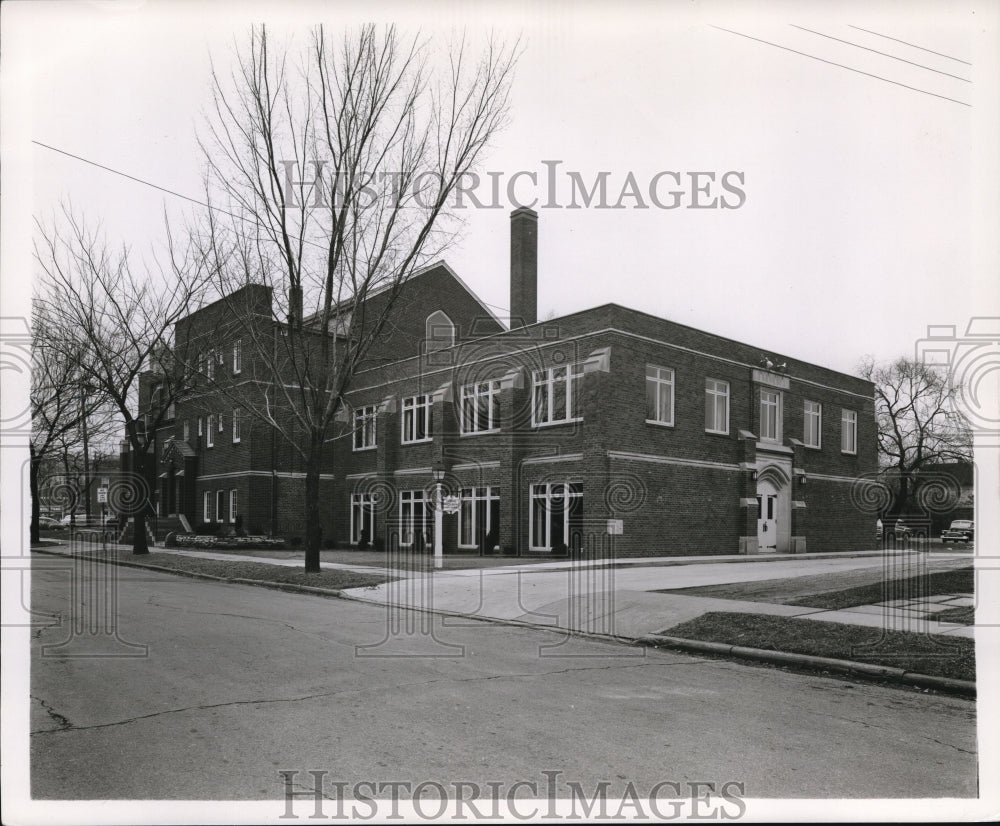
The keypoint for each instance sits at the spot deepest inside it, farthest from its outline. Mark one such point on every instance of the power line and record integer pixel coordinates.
(842, 66)
(157, 186)
(913, 45)
(884, 54)
(130, 177)
(178, 194)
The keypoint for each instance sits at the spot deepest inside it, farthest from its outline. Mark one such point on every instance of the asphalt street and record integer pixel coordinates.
(191, 689)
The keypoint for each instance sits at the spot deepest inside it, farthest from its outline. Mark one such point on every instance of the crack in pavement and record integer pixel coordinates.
(152, 601)
(66, 726)
(950, 745)
(61, 719)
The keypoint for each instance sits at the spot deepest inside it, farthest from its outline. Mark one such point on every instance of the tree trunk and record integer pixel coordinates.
(33, 487)
(140, 544)
(314, 530)
(903, 501)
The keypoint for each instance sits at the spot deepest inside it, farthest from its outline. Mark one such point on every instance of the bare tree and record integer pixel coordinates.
(384, 141)
(919, 423)
(63, 416)
(113, 322)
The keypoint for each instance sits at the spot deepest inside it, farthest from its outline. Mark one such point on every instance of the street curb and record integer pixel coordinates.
(265, 583)
(963, 687)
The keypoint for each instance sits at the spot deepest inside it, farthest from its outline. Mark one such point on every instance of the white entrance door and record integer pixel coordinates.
(767, 519)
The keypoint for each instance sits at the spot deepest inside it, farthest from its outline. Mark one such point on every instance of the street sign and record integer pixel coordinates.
(451, 504)
(102, 495)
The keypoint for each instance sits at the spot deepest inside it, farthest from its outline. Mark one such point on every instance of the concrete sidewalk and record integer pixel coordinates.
(626, 602)
(623, 598)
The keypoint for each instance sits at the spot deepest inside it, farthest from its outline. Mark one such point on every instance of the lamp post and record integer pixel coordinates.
(438, 475)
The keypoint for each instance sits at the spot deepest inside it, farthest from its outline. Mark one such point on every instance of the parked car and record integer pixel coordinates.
(961, 530)
(80, 520)
(47, 523)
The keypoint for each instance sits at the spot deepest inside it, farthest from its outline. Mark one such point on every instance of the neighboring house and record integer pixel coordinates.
(61, 493)
(553, 436)
(946, 493)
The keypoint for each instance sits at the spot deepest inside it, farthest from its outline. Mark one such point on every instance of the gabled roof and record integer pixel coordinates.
(177, 447)
(347, 304)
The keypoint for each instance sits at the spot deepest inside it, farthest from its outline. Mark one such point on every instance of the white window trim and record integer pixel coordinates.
(548, 510)
(545, 378)
(715, 393)
(222, 426)
(210, 365)
(411, 497)
(201, 426)
(220, 498)
(778, 415)
(210, 431)
(658, 381)
(475, 392)
(186, 430)
(237, 434)
(361, 415)
(359, 501)
(206, 506)
(853, 420)
(233, 493)
(410, 405)
(237, 357)
(479, 494)
(818, 416)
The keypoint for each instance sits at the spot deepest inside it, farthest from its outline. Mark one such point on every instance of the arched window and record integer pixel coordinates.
(439, 331)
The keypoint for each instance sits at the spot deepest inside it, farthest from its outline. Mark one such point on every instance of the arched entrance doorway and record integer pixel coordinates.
(774, 521)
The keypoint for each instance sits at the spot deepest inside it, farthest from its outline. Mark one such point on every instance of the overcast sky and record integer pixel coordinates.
(866, 203)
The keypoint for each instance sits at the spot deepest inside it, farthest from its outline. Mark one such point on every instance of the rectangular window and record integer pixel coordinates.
(479, 413)
(364, 427)
(232, 505)
(716, 406)
(362, 518)
(812, 425)
(187, 430)
(201, 426)
(210, 431)
(848, 431)
(210, 365)
(416, 419)
(222, 428)
(206, 507)
(237, 427)
(555, 395)
(220, 504)
(414, 526)
(237, 357)
(770, 415)
(659, 395)
(479, 519)
(556, 517)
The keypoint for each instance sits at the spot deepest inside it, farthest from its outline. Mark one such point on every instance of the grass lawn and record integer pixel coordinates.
(840, 590)
(239, 569)
(959, 616)
(939, 656)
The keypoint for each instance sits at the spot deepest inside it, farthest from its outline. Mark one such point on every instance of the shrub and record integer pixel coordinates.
(207, 529)
(295, 542)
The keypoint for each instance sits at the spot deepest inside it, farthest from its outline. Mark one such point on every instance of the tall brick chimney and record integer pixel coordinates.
(523, 267)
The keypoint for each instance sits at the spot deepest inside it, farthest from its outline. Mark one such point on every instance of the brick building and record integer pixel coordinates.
(604, 427)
